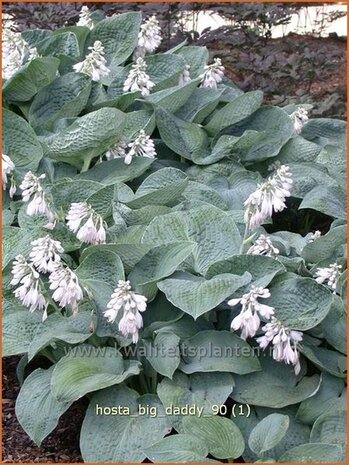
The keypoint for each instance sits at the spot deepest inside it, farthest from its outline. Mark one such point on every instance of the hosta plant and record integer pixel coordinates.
(174, 251)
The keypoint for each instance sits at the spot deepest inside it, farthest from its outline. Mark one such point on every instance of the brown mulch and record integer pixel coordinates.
(61, 446)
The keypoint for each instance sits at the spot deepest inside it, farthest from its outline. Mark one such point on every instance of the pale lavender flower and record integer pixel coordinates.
(45, 254)
(185, 76)
(138, 79)
(117, 151)
(142, 146)
(88, 224)
(263, 246)
(34, 194)
(66, 287)
(330, 274)
(85, 18)
(299, 117)
(149, 37)
(248, 319)
(213, 74)
(131, 304)
(7, 169)
(94, 64)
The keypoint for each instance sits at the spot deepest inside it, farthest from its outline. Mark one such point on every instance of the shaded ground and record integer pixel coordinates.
(62, 445)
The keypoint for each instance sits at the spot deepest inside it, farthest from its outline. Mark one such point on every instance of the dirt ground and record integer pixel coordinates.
(62, 445)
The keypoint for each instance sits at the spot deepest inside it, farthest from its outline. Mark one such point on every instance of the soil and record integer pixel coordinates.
(62, 445)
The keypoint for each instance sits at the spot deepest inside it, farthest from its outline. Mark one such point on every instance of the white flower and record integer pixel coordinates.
(45, 254)
(92, 230)
(248, 319)
(149, 37)
(14, 49)
(65, 284)
(330, 274)
(85, 18)
(7, 168)
(299, 117)
(131, 304)
(269, 196)
(33, 191)
(313, 236)
(117, 151)
(30, 290)
(263, 246)
(213, 74)
(142, 146)
(285, 342)
(94, 64)
(185, 76)
(138, 79)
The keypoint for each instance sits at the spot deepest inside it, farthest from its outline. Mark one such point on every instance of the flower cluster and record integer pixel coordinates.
(213, 74)
(142, 146)
(299, 117)
(7, 168)
(138, 79)
(248, 319)
(117, 151)
(149, 37)
(34, 193)
(313, 236)
(88, 224)
(94, 64)
(269, 196)
(131, 304)
(85, 18)
(14, 51)
(285, 343)
(30, 291)
(65, 284)
(330, 274)
(263, 246)
(45, 254)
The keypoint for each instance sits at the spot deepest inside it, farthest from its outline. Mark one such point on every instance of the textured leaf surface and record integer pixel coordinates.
(313, 452)
(222, 437)
(268, 433)
(211, 351)
(121, 438)
(330, 428)
(196, 295)
(164, 355)
(37, 410)
(19, 329)
(216, 235)
(201, 389)
(178, 448)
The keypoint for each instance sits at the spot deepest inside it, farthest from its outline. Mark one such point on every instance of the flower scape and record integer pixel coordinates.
(170, 242)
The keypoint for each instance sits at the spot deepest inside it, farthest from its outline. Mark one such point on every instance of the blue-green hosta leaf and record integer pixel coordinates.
(196, 58)
(335, 160)
(298, 150)
(283, 387)
(196, 295)
(73, 330)
(17, 241)
(64, 43)
(200, 105)
(326, 131)
(262, 269)
(216, 234)
(330, 200)
(160, 262)
(37, 410)
(137, 120)
(313, 452)
(325, 247)
(297, 432)
(118, 34)
(222, 437)
(326, 360)
(211, 351)
(268, 433)
(202, 192)
(121, 438)
(334, 326)
(300, 303)
(235, 111)
(20, 142)
(89, 136)
(163, 354)
(35, 36)
(160, 188)
(307, 176)
(174, 98)
(65, 97)
(187, 139)
(201, 389)
(115, 171)
(179, 448)
(330, 428)
(326, 400)
(262, 134)
(18, 331)
(88, 368)
(26, 82)
(66, 191)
